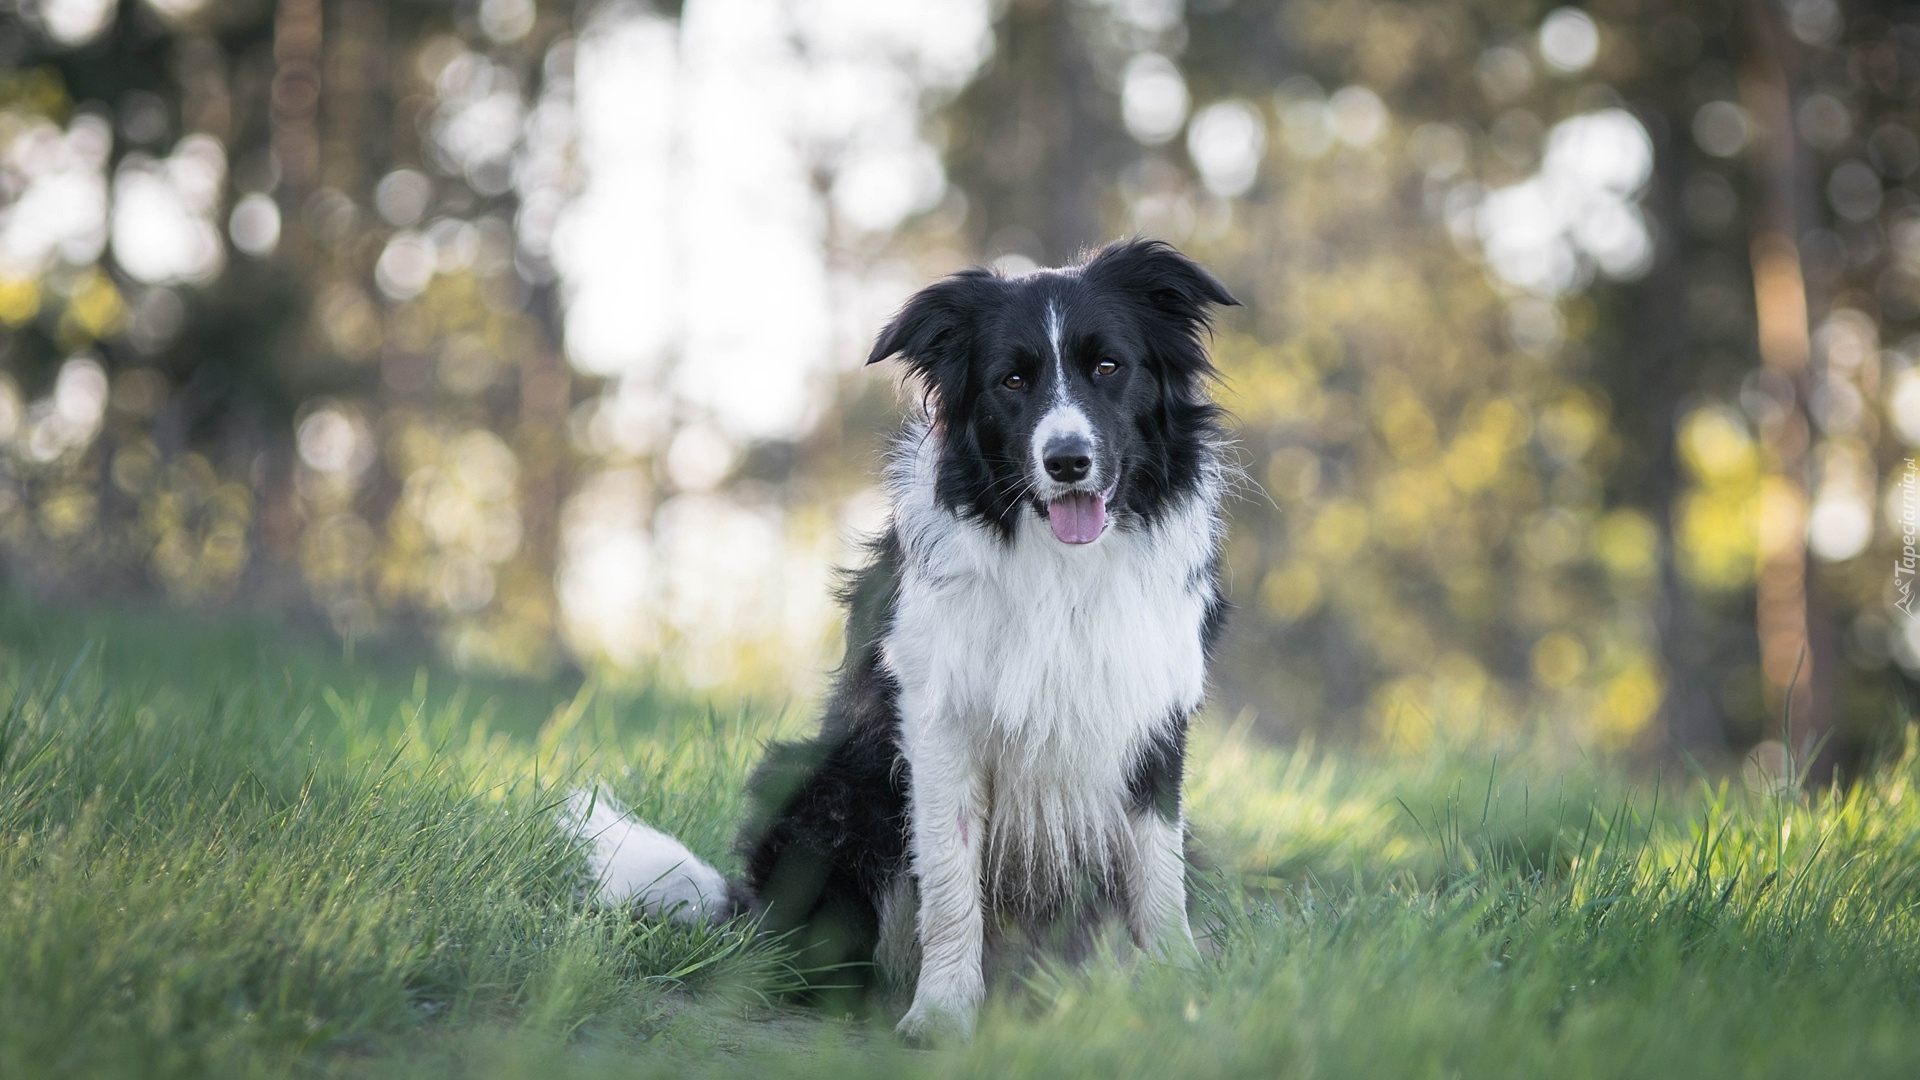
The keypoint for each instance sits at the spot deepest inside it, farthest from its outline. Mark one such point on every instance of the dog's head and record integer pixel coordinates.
(1077, 395)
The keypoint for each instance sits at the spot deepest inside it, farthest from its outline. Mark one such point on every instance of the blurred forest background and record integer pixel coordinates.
(1577, 379)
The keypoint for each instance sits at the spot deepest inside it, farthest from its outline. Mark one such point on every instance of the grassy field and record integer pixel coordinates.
(223, 852)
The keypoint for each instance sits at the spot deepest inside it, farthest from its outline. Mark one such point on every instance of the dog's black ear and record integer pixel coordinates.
(1167, 280)
(929, 327)
(1176, 298)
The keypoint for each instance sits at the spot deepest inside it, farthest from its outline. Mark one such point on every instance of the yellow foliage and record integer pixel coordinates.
(1399, 714)
(1263, 385)
(1420, 515)
(1293, 473)
(1716, 447)
(1470, 591)
(1406, 504)
(1403, 644)
(225, 551)
(1338, 531)
(1408, 429)
(40, 92)
(1557, 660)
(1717, 525)
(1571, 425)
(1491, 431)
(1627, 705)
(1717, 537)
(1291, 592)
(67, 513)
(1454, 697)
(198, 523)
(19, 301)
(1502, 419)
(1628, 544)
(95, 309)
(1473, 461)
(1553, 538)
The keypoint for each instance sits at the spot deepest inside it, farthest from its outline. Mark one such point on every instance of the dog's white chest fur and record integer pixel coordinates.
(1052, 664)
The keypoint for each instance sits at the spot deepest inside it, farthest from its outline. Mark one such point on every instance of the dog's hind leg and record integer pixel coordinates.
(896, 955)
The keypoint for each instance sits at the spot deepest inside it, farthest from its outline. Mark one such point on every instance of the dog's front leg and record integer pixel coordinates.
(945, 814)
(1157, 891)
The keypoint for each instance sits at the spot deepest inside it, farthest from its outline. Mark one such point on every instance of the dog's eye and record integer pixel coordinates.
(1014, 382)
(1105, 367)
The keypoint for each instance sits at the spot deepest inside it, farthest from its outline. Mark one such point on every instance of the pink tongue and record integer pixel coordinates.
(1077, 518)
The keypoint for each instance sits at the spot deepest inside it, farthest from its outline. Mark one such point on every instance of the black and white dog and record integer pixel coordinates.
(999, 766)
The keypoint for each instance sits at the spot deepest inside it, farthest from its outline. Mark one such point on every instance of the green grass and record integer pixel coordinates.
(223, 852)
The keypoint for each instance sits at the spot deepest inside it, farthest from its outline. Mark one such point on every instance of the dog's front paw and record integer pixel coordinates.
(927, 1024)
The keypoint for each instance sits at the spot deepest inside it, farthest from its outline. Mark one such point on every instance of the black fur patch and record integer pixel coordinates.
(1155, 780)
(825, 834)
(1214, 622)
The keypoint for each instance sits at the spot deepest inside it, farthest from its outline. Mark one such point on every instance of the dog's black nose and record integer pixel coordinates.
(1068, 458)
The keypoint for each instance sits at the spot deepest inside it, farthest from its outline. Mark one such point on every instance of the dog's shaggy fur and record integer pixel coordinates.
(999, 766)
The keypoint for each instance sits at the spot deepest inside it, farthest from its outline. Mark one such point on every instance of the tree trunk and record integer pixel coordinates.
(1799, 677)
(294, 109)
(1653, 377)
(1037, 137)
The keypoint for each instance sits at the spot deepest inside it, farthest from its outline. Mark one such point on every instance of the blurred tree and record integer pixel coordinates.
(1784, 430)
(1578, 381)
(1037, 139)
(371, 398)
(1790, 667)
(1831, 94)
(1454, 212)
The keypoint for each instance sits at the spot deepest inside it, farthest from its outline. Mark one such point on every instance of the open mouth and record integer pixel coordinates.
(1079, 517)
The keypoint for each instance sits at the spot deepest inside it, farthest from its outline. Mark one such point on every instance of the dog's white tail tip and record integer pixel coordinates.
(635, 864)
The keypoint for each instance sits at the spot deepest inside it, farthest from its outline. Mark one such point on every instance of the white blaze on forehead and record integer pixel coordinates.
(1059, 362)
(1065, 416)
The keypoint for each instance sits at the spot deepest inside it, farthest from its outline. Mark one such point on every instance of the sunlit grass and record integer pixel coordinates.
(224, 856)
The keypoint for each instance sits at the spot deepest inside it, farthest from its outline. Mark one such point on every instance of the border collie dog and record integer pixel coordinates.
(999, 766)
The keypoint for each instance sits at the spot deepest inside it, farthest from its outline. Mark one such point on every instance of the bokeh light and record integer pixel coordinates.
(1153, 98)
(1569, 40)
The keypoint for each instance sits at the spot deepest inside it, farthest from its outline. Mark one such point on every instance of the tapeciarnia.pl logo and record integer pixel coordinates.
(1909, 561)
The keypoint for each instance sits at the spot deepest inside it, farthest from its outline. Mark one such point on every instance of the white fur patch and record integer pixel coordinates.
(633, 863)
(1053, 338)
(1063, 417)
